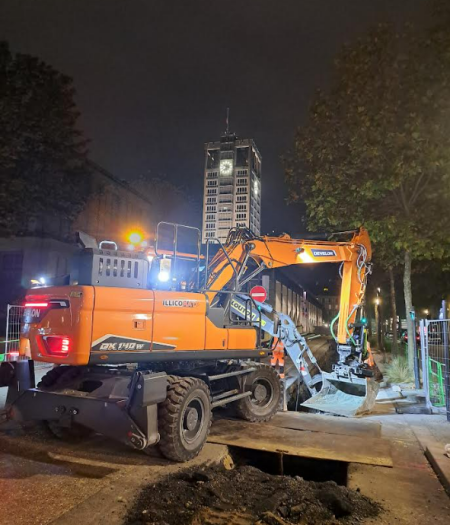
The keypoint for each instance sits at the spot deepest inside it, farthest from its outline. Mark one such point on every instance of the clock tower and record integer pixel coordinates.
(232, 187)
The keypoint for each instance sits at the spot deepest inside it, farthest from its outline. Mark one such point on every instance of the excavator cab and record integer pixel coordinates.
(175, 260)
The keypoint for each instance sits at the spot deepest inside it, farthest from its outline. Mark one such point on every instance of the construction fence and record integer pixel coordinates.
(435, 337)
(9, 347)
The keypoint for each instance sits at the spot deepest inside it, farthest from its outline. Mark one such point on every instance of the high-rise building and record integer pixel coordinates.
(232, 187)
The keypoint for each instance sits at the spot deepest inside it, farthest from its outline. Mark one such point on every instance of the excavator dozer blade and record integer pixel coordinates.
(344, 397)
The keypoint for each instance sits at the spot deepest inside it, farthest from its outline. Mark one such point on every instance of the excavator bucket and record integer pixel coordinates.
(344, 397)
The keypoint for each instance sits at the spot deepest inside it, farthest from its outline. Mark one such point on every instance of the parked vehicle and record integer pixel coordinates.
(404, 337)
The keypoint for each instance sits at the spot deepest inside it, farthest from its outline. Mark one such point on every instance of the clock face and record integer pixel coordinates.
(226, 167)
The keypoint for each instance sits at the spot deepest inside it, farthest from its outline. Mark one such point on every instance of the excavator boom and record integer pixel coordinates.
(229, 265)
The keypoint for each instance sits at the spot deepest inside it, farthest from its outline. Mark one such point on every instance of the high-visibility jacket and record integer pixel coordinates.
(277, 360)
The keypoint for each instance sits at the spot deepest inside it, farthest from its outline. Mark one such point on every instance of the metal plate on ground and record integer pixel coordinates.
(328, 424)
(317, 445)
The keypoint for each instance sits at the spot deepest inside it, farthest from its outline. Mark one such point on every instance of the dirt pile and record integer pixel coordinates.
(247, 496)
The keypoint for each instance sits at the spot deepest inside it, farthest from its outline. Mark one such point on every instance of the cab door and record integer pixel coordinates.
(179, 321)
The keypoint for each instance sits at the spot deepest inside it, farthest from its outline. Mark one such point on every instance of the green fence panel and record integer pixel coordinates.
(436, 383)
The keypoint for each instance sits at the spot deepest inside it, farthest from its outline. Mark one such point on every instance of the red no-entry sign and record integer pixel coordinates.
(258, 293)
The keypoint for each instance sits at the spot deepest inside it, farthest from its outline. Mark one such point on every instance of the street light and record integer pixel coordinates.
(378, 321)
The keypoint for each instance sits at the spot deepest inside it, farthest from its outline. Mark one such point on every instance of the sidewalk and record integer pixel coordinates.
(432, 431)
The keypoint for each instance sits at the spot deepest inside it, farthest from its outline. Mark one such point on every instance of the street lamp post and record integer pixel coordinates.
(378, 322)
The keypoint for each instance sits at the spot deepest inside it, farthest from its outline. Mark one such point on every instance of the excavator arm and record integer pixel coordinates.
(350, 389)
(228, 268)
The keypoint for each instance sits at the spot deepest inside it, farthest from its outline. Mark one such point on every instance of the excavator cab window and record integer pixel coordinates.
(177, 260)
(165, 275)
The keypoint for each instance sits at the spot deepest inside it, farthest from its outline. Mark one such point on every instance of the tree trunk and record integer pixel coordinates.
(393, 312)
(408, 306)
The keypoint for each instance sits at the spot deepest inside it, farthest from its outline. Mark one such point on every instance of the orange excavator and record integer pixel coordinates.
(145, 345)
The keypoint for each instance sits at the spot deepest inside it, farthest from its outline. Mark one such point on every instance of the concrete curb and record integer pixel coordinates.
(435, 453)
(440, 464)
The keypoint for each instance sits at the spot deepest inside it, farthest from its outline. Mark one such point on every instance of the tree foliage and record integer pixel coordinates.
(43, 168)
(376, 148)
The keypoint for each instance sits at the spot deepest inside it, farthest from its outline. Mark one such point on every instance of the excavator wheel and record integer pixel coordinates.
(267, 394)
(184, 418)
(50, 380)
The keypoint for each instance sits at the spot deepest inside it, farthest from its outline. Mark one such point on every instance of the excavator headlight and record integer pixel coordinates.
(305, 256)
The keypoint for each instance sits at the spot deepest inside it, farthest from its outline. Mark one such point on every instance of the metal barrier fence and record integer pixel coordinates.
(9, 350)
(435, 337)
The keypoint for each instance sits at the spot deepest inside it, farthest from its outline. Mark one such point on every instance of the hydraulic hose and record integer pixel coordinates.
(331, 327)
(346, 325)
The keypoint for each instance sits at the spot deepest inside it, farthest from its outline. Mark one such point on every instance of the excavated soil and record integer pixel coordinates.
(247, 496)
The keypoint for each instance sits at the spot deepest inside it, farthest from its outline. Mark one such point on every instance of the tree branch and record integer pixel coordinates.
(417, 189)
(403, 196)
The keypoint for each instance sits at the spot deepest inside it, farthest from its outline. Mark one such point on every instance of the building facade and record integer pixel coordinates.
(47, 248)
(232, 187)
(290, 297)
(330, 300)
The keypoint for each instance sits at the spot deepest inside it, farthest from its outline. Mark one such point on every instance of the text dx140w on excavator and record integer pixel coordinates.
(145, 345)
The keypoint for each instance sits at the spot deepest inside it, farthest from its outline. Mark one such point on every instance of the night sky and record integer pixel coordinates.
(154, 77)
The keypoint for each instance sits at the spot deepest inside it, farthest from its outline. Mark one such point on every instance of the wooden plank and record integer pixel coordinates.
(318, 445)
(327, 424)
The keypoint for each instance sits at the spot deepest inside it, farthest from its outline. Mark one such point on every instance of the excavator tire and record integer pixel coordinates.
(52, 376)
(267, 394)
(184, 418)
(50, 380)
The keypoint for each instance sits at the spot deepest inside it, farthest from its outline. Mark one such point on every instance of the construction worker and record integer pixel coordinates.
(277, 359)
